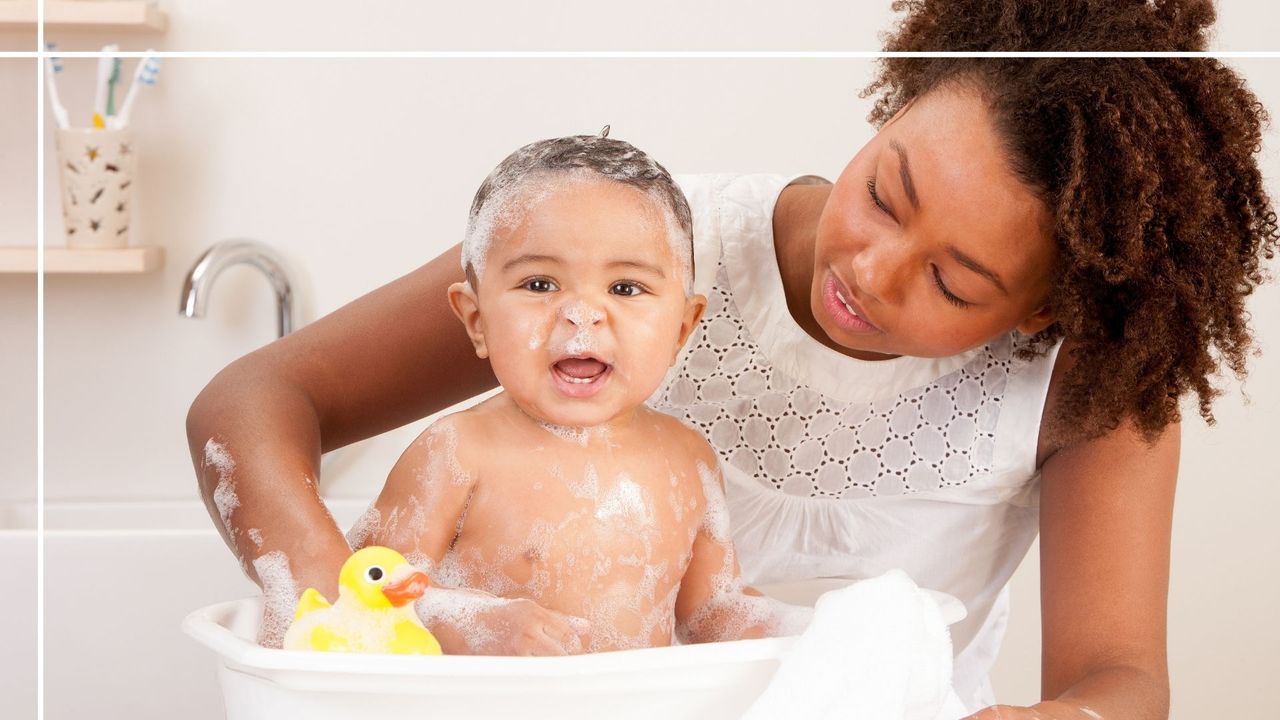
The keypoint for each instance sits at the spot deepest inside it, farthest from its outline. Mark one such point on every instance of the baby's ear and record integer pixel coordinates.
(694, 305)
(462, 298)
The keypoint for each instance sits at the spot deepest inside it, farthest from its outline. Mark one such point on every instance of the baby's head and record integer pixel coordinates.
(579, 263)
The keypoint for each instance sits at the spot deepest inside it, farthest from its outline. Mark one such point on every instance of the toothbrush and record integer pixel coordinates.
(148, 69)
(100, 87)
(53, 66)
(111, 86)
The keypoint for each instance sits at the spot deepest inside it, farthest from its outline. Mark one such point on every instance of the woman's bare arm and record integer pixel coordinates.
(390, 357)
(1106, 514)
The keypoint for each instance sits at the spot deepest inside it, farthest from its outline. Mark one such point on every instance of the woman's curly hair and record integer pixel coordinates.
(1148, 166)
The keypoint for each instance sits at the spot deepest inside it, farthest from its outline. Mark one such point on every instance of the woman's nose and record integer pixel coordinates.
(880, 269)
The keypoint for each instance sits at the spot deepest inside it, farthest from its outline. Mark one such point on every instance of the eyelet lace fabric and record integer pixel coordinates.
(792, 438)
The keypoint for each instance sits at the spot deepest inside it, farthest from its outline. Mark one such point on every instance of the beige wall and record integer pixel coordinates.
(360, 170)
(18, 215)
(576, 25)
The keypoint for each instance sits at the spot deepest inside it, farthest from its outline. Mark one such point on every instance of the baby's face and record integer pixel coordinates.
(581, 307)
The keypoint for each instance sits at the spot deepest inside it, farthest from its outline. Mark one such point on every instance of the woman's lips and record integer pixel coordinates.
(580, 377)
(843, 309)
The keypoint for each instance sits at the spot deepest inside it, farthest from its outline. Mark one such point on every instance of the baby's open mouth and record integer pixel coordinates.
(580, 376)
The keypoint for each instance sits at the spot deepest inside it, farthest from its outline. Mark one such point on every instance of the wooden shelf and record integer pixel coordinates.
(83, 261)
(85, 15)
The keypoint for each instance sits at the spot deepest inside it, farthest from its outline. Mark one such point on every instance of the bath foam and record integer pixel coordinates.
(584, 319)
(624, 501)
(876, 649)
(519, 191)
(280, 595)
(589, 487)
(364, 528)
(224, 494)
(255, 535)
(716, 517)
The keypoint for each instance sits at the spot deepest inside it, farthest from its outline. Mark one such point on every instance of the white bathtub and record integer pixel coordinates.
(120, 578)
(715, 681)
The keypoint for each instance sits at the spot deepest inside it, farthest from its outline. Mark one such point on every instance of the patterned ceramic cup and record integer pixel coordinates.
(96, 168)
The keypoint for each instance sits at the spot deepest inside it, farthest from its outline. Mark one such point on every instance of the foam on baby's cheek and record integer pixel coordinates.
(280, 595)
(255, 535)
(217, 457)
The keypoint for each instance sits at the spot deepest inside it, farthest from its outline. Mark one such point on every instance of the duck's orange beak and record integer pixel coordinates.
(406, 589)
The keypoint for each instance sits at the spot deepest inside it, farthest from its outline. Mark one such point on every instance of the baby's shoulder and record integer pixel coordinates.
(688, 442)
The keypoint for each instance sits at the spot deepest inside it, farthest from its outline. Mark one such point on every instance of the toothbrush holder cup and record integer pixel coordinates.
(96, 168)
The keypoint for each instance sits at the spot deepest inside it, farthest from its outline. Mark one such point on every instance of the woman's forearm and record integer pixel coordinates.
(255, 445)
(1117, 692)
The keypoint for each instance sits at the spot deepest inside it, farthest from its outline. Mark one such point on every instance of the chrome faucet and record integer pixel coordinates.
(221, 255)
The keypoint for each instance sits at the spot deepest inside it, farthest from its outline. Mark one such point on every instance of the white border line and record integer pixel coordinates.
(40, 575)
(639, 55)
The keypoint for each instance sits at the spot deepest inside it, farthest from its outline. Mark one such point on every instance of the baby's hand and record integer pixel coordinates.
(526, 628)
(477, 623)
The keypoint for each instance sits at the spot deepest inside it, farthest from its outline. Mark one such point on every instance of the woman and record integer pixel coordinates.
(980, 331)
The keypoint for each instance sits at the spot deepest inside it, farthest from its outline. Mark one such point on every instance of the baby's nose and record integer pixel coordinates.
(581, 314)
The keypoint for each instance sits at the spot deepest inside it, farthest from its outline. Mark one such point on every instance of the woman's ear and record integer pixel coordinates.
(1038, 320)
(465, 304)
(693, 309)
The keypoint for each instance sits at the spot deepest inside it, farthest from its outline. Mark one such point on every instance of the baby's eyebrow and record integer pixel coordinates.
(637, 265)
(529, 258)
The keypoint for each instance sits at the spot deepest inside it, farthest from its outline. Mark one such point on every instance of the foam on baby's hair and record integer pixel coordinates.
(224, 494)
(279, 596)
(528, 175)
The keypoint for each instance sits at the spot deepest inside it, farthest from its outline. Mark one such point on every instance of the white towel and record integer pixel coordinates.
(876, 650)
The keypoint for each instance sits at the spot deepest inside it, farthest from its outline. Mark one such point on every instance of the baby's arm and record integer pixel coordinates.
(713, 603)
(419, 513)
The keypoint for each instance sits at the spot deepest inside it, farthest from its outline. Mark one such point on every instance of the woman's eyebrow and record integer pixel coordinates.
(904, 170)
(977, 267)
(528, 258)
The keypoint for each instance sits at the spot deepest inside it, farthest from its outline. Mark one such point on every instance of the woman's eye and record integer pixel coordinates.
(627, 289)
(539, 285)
(951, 297)
(871, 190)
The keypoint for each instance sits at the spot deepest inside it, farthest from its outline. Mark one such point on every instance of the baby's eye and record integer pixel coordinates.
(374, 573)
(627, 289)
(539, 285)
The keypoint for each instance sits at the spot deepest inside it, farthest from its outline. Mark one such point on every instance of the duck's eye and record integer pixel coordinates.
(375, 573)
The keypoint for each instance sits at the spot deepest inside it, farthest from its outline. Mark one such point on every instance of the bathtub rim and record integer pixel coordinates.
(208, 626)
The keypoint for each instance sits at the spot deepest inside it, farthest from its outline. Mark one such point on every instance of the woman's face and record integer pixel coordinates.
(928, 244)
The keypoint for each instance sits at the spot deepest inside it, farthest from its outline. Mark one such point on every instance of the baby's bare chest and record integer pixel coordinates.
(579, 525)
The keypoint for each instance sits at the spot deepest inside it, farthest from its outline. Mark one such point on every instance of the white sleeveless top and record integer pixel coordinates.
(839, 467)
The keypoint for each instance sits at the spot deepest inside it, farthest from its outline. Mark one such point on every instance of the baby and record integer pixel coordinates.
(562, 515)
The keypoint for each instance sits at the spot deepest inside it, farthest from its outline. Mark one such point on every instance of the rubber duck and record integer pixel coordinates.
(374, 611)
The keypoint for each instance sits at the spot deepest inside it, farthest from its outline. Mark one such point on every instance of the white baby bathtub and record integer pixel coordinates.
(712, 681)
(706, 682)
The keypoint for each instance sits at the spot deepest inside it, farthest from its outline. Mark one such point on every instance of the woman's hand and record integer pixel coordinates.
(1052, 710)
